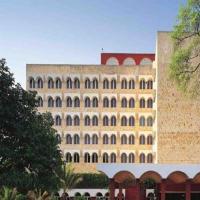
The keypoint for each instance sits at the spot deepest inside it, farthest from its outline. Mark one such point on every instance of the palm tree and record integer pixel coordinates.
(9, 194)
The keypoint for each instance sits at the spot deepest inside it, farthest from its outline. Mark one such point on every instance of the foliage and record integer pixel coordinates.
(29, 155)
(185, 61)
(9, 194)
(80, 198)
(149, 183)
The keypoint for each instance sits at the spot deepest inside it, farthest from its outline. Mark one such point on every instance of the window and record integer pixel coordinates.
(142, 158)
(124, 103)
(58, 138)
(105, 158)
(113, 158)
(69, 102)
(76, 120)
(149, 103)
(76, 158)
(131, 158)
(149, 84)
(131, 103)
(87, 158)
(87, 139)
(105, 121)
(95, 102)
(142, 139)
(112, 61)
(40, 83)
(149, 140)
(105, 84)
(87, 120)
(68, 157)
(68, 120)
(76, 139)
(149, 121)
(113, 102)
(142, 121)
(87, 102)
(76, 83)
(32, 83)
(40, 102)
(58, 102)
(142, 103)
(76, 102)
(149, 158)
(113, 84)
(87, 83)
(123, 158)
(145, 61)
(113, 121)
(94, 139)
(68, 139)
(50, 83)
(94, 158)
(123, 121)
(131, 139)
(105, 139)
(113, 139)
(142, 84)
(131, 121)
(50, 102)
(124, 84)
(132, 84)
(95, 83)
(105, 102)
(58, 83)
(58, 120)
(123, 139)
(69, 83)
(95, 121)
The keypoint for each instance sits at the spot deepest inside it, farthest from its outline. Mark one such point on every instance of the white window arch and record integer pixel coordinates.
(31, 82)
(50, 102)
(87, 158)
(95, 102)
(142, 139)
(69, 83)
(87, 139)
(150, 121)
(105, 84)
(123, 139)
(76, 83)
(76, 139)
(105, 139)
(112, 61)
(123, 158)
(58, 102)
(94, 158)
(95, 139)
(87, 83)
(68, 139)
(142, 121)
(105, 158)
(113, 139)
(113, 84)
(129, 61)
(113, 158)
(142, 84)
(145, 61)
(76, 158)
(142, 103)
(124, 121)
(150, 103)
(131, 158)
(142, 158)
(105, 102)
(50, 83)
(69, 102)
(76, 120)
(40, 83)
(58, 83)
(149, 158)
(113, 121)
(58, 120)
(76, 102)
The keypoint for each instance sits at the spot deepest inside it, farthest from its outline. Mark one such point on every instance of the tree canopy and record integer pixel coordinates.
(185, 62)
(30, 157)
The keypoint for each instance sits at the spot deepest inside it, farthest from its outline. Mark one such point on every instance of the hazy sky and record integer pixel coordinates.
(74, 31)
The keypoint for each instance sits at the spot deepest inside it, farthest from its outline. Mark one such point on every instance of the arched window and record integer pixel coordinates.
(76, 120)
(95, 83)
(149, 139)
(105, 121)
(94, 158)
(142, 139)
(94, 139)
(87, 83)
(87, 139)
(105, 84)
(142, 158)
(99, 196)
(31, 83)
(142, 121)
(113, 102)
(142, 84)
(58, 138)
(123, 139)
(113, 139)
(150, 103)
(150, 121)
(113, 158)
(112, 61)
(142, 103)
(123, 121)
(40, 83)
(95, 102)
(76, 139)
(69, 83)
(77, 194)
(124, 84)
(58, 120)
(113, 84)
(129, 61)
(131, 103)
(50, 83)
(131, 84)
(76, 83)
(87, 102)
(76, 102)
(68, 139)
(146, 61)
(105, 102)
(113, 121)
(69, 102)
(123, 158)
(149, 158)
(105, 139)
(124, 103)
(40, 102)
(105, 158)
(87, 196)
(131, 139)
(69, 120)
(68, 157)
(50, 102)
(58, 102)
(131, 121)
(149, 84)
(87, 120)
(131, 158)
(87, 158)
(94, 121)
(76, 158)
(58, 83)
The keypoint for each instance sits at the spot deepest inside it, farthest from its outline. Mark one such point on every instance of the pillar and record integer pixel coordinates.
(137, 195)
(120, 192)
(188, 190)
(111, 189)
(162, 190)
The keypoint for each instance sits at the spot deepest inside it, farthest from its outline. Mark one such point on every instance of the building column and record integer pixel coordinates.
(120, 192)
(188, 190)
(111, 189)
(137, 195)
(162, 190)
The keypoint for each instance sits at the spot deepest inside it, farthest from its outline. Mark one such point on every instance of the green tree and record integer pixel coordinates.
(29, 155)
(185, 61)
